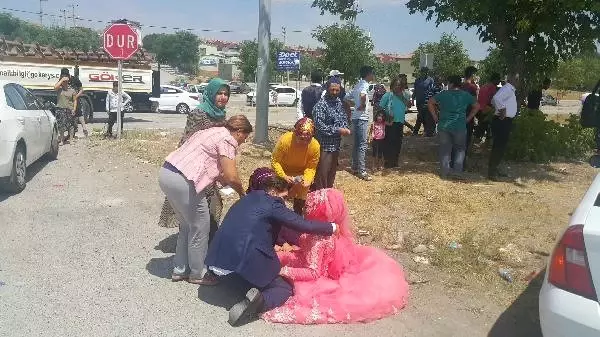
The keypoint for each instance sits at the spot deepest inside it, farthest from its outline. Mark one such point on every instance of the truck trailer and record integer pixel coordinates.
(38, 68)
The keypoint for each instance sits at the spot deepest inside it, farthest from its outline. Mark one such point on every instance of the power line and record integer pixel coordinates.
(205, 30)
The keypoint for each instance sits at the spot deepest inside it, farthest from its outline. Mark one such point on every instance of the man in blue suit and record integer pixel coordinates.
(242, 249)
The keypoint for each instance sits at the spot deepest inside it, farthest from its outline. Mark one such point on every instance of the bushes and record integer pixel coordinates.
(536, 139)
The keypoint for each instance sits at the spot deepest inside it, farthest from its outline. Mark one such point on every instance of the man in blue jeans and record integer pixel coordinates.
(448, 108)
(360, 122)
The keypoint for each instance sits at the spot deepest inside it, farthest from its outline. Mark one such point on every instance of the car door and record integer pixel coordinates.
(167, 99)
(27, 120)
(288, 96)
(44, 129)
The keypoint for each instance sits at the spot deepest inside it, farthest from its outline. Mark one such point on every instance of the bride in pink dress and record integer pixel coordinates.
(335, 279)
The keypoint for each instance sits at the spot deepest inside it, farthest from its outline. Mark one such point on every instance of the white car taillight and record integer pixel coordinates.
(569, 268)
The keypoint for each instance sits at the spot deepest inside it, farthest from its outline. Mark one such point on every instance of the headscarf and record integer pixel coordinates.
(329, 205)
(304, 128)
(258, 177)
(330, 81)
(208, 104)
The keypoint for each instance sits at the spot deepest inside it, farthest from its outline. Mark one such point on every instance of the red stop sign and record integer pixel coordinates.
(120, 41)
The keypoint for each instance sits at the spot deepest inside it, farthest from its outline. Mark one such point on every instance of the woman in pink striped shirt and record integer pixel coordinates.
(207, 156)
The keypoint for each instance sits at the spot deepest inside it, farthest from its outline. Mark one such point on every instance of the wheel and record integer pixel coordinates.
(53, 153)
(17, 180)
(182, 108)
(295, 102)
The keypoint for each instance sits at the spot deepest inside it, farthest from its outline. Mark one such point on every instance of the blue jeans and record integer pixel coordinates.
(359, 149)
(452, 142)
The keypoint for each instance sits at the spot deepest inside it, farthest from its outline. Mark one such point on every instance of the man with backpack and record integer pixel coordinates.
(310, 96)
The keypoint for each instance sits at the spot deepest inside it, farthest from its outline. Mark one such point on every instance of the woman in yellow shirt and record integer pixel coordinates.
(295, 159)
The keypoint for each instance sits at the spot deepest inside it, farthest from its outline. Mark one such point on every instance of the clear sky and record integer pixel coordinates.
(391, 27)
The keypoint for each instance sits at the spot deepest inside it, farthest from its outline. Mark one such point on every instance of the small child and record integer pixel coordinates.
(377, 139)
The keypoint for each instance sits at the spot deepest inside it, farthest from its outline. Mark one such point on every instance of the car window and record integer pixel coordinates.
(13, 99)
(285, 90)
(192, 90)
(30, 101)
(165, 90)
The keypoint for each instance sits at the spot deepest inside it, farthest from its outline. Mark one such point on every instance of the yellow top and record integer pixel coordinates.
(292, 160)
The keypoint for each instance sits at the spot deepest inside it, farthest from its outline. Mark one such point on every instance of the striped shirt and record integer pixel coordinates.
(198, 158)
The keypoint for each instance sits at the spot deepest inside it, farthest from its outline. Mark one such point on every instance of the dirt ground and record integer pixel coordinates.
(81, 254)
(469, 229)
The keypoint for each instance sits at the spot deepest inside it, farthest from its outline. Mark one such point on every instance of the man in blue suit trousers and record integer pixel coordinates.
(242, 248)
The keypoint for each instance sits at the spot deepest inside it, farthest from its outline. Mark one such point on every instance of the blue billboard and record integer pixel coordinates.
(288, 61)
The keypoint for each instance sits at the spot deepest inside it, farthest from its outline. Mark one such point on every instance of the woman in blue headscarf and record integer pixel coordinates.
(211, 112)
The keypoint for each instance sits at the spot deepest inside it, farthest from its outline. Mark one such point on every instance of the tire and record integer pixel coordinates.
(182, 108)
(18, 175)
(54, 146)
(295, 102)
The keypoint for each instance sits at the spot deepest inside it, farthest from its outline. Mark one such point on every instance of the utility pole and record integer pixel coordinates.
(73, 12)
(284, 43)
(42, 13)
(64, 12)
(261, 135)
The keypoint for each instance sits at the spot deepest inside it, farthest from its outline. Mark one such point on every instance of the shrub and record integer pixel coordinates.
(536, 139)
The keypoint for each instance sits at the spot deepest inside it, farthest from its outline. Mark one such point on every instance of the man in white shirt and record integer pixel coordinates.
(360, 122)
(112, 105)
(505, 103)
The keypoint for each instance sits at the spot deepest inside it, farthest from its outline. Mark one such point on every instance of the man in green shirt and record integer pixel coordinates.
(448, 110)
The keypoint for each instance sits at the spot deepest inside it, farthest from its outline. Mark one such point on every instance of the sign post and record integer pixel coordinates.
(121, 42)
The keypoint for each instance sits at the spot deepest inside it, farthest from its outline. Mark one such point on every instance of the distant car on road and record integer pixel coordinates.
(548, 100)
(278, 95)
(568, 301)
(174, 99)
(28, 131)
(240, 88)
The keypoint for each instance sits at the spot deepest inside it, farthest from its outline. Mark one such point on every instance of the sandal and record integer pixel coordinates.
(209, 279)
(177, 278)
(365, 176)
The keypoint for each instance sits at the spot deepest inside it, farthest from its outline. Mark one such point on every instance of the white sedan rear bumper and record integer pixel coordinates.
(564, 314)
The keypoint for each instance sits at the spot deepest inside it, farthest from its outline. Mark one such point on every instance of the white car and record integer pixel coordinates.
(27, 132)
(175, 99)
(278, 95)
(568, 300)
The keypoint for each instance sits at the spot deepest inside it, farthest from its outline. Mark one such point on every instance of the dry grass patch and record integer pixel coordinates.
(510, 224)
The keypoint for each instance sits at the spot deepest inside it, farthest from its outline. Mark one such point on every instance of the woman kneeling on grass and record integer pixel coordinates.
(448, 107)
(205, 157)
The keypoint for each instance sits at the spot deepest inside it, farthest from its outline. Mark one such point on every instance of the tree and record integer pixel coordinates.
(77, 38)
(532, 35)
(178, 50)
(449, 56)
(492, 63)
(249, 59)
(308, 64)
(347, 48)
(579, 74)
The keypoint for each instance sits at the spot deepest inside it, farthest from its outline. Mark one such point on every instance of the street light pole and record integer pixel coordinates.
(261, 134)
(42, 13)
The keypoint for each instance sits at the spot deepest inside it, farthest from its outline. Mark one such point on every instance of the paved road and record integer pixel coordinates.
(81, 255)
(277, 115)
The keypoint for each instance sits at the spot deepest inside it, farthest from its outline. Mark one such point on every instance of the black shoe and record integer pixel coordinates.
(247, 308)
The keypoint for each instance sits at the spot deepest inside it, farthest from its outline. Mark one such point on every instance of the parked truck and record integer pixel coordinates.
(38, 68)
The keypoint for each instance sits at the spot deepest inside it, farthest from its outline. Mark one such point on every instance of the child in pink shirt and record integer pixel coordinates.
(377, 139)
